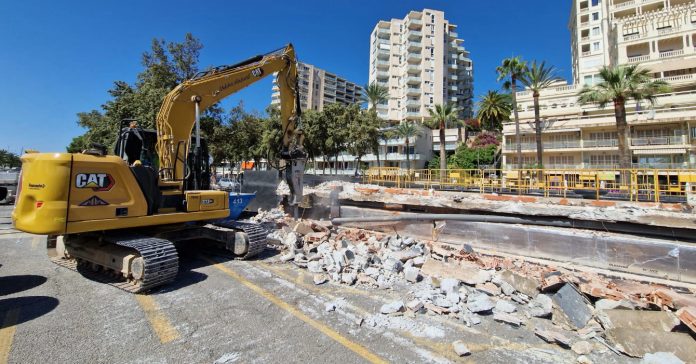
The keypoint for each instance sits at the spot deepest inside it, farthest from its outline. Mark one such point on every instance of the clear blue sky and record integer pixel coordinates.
(58, 58)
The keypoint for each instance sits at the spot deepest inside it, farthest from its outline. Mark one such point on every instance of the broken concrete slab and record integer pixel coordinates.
(551, 336)
(504, 306)
(661, 358)
(479, 303)
(414, 305)
(315, 267)
(449, 285)
(582, 347)
(670, 299)
(320, 279)
(571, 308)
(460, 348)
(438, 269)
(412, 274)
(540, 306)
(436, 309)
(521, 283)
(489, 289)
(393, 307)
(637, 343)
(609, 304)
(646, 321)
(687, 315)
(507, 318)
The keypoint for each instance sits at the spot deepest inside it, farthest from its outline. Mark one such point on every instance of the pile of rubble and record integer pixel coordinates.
(580, 311)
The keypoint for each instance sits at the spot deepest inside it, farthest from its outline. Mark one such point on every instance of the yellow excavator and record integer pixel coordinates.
(116, 217)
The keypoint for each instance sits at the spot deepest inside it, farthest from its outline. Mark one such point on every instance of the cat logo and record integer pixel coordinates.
(94, 201)
(207, 201)
(95, 181)
(257, 72)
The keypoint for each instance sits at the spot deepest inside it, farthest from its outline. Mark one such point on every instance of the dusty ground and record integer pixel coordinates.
(226, 311)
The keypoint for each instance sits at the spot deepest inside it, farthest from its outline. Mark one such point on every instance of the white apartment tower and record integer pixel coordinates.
(319, 87)
(422, 62)
(659, 35)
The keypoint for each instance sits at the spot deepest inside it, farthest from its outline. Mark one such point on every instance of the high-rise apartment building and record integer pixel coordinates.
(319, 87)
(422, 62)
(659, 35)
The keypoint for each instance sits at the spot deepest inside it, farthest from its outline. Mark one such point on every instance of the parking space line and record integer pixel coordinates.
(331, 333)
(7, 331)
(158, 321)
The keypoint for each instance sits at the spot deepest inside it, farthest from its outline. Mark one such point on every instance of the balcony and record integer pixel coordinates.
(452, 66)
(414, 57)
(600, 143)
(414, 23)
(415, 35)
(383, 33)
(667, 140)
(414, 91)
(413, 103)
(568, 144)
(413, 80)
(668, 30)
(382, 64)
(415, 46)
(661, 165)
(453, 34)
(413, 68)
(382, 74)
(383, 54)
(636, 59)
(453, 88)
(623, 5)
(670, 54)
(412, 114)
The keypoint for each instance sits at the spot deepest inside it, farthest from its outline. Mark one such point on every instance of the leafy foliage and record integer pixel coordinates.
(493, 109)
(9, 159)
(486, 138)
(472, 158)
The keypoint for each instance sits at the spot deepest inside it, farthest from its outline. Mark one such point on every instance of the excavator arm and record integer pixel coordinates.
(182, 106)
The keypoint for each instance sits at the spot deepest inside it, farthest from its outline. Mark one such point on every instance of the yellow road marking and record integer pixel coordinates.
(158, 321)
(331, 333)
(7, 331)
(35, 242)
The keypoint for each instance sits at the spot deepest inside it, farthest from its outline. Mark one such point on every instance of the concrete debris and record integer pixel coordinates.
(582, 347)
(582, 359)
(456, 281)
(661, 358)
(687, 315)
(504, 306)
(522, 284)
(645, 321)
(460, 348)
(320, 279)
(637, 343)
(571, 309)
(507, 318)
(479, 303)
(393, 307)
(540, 306)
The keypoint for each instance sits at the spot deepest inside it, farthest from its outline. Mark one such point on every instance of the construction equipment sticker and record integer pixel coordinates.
(95, 181)
(94, 201)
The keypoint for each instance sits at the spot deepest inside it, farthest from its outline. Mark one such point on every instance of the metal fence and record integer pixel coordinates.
(645, 185)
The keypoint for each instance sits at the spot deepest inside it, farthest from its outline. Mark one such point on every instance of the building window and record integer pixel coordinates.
(596, 46)
(411, 150)
(595, 16)
(596, 2)
(595, 31)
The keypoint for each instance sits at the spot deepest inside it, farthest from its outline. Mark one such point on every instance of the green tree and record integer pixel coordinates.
(439, 117)
(315, 134)
(511, 70)
(9, 159)
(363, 135)
(375, 94)
(538, 77)
(165, 65)
(493, 109)
(336, 117)
(473, 158)
(407, 130)
(272, 136)
(620, 84)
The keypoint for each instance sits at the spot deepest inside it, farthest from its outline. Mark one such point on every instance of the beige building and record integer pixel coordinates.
(422, 61)
(656, 34)
(319, 88)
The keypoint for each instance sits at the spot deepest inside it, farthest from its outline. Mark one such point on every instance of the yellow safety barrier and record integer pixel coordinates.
(644, 185)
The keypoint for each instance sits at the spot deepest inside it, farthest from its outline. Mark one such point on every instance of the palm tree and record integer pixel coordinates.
(514, 68)
(620, 84)
(538, 77)
(407, 130)
(384, 136)
(375, 94)
(438, 120)
(493, 108)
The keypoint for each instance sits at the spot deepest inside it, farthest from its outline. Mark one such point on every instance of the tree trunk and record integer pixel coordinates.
(379, 164)
(323, 165)
(459, 134)
(517, 121)
(622, 131)
(539, 144)
(443, 152)
(386, 148)
(408, 158)
(357, 164)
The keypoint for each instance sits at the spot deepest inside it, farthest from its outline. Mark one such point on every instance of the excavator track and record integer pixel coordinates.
(161, 264)
(256, 233)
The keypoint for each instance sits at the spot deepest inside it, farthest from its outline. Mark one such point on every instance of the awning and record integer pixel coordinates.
(659, 151)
